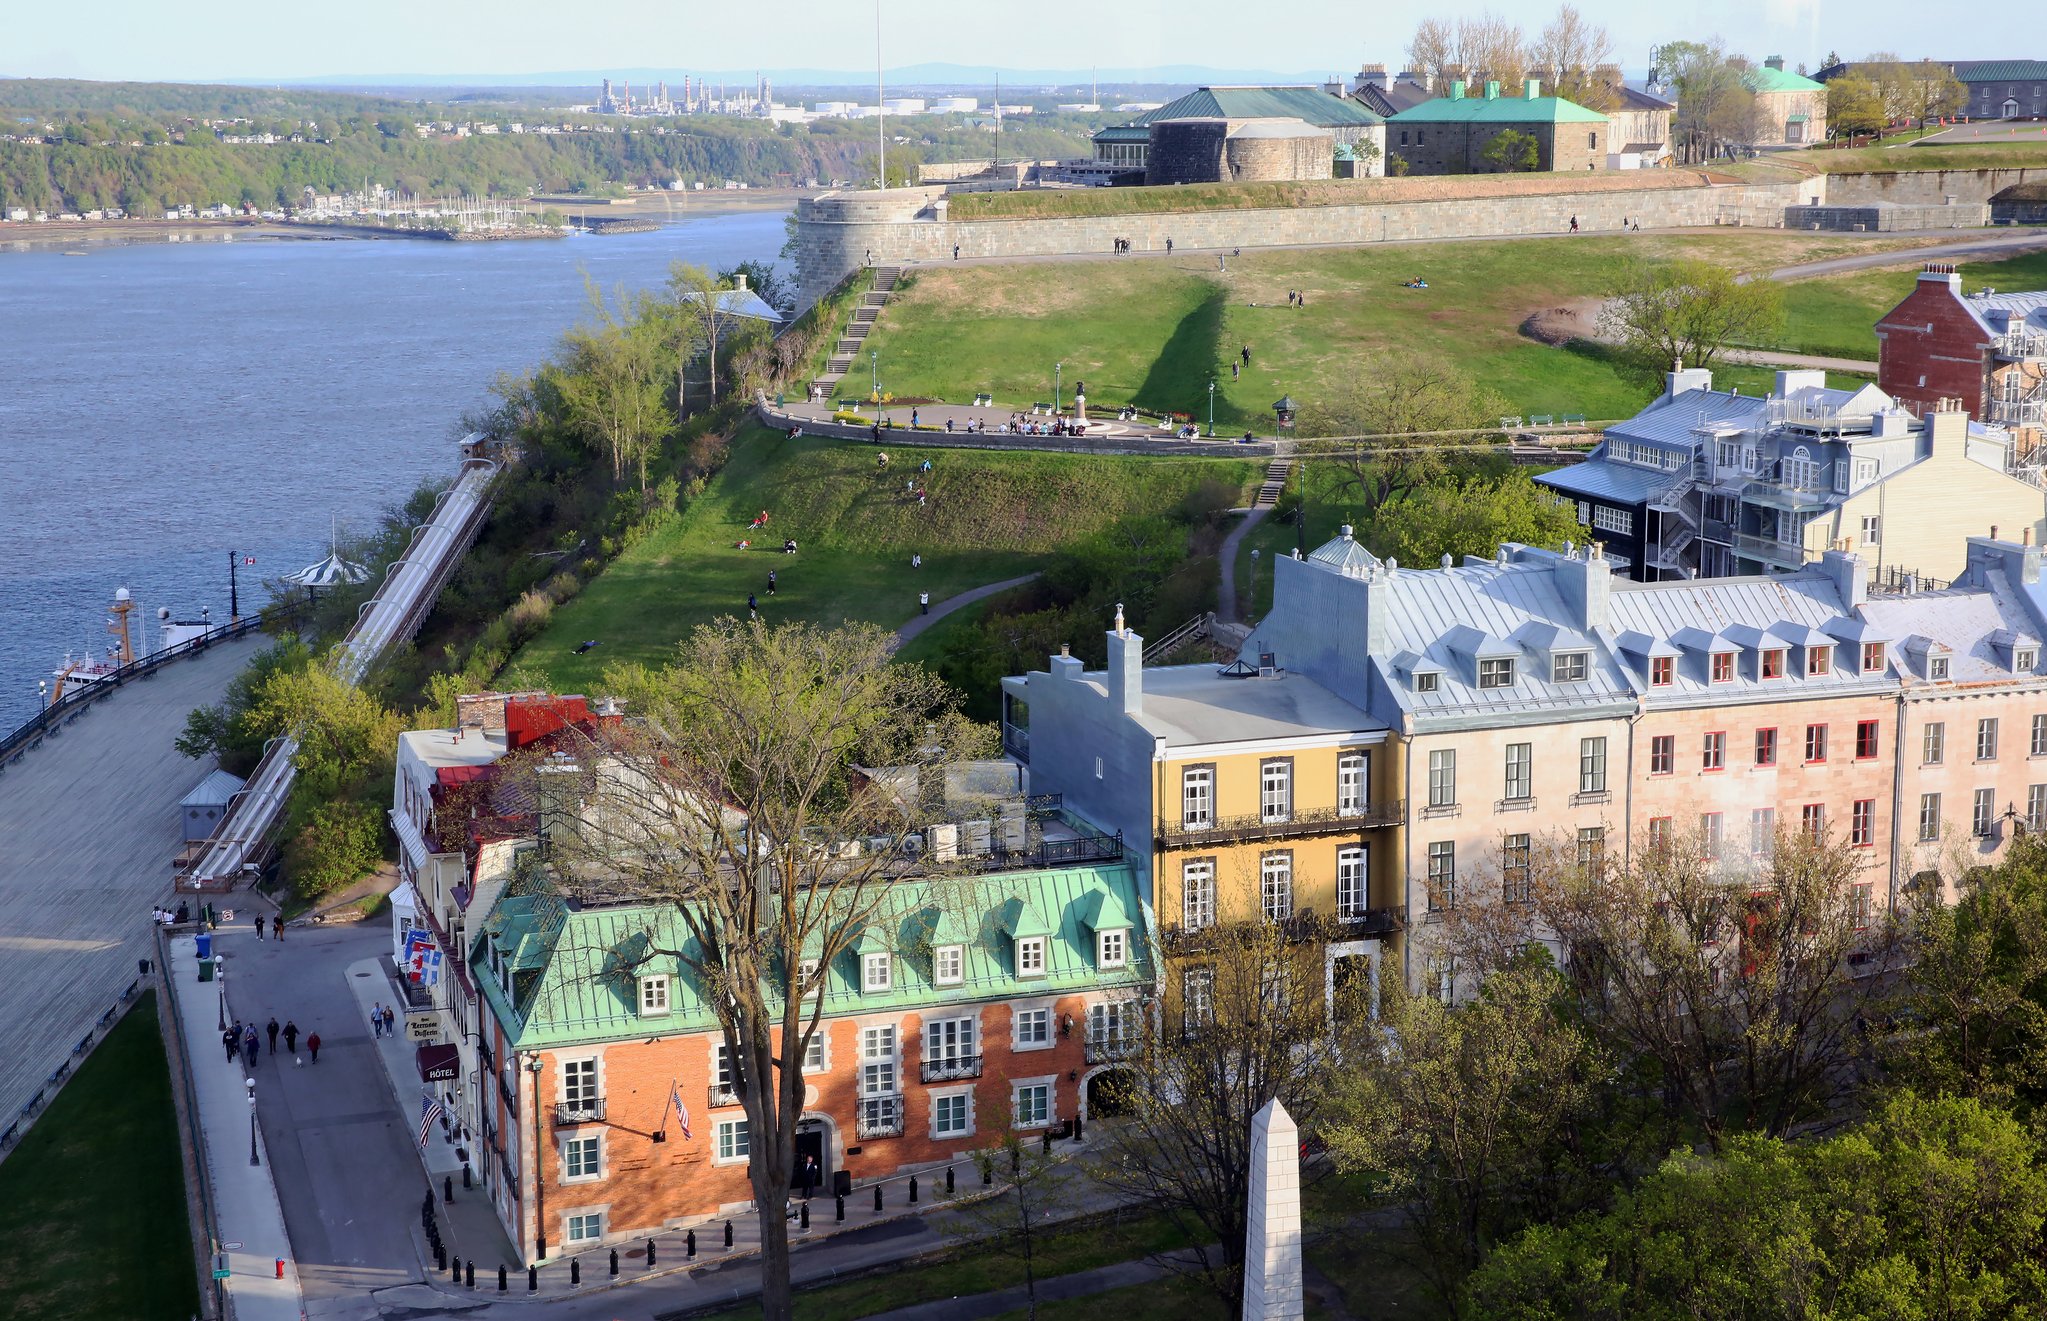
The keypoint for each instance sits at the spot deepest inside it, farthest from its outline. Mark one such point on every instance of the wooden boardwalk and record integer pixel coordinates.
(88, 823)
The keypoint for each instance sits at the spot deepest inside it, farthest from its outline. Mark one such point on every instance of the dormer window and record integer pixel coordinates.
(1425, 681)
(1497, 673)
(1570, 667)
(653, 996)
(1662, 671)
(1936, 667)
(1030, 956)
(2023, 658)
(1773, 663)
(949, 965)
(1112, 948)
(1872, 657)
(877, 973)
(1723, 667)
(1818, 661)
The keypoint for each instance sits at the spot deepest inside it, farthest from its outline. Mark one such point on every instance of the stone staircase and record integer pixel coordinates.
(846, 349)
(1275, 482)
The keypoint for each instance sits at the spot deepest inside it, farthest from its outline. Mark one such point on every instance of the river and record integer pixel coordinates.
(162, 404)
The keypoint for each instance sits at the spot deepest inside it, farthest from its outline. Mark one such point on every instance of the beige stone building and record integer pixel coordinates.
(1791, 109)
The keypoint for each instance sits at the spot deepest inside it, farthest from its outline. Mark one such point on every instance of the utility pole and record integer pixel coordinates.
(880, 114)
(234, 598)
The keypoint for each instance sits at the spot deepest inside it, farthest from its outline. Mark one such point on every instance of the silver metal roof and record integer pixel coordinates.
(1601, 478)
(1977, 628)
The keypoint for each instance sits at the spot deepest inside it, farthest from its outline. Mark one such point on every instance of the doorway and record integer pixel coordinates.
(811, 1146)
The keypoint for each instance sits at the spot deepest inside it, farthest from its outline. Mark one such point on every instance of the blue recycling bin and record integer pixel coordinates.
(205, 939)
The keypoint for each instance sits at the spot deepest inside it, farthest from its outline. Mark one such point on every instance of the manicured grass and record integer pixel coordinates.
(92, 1204)
(1293, 194)
(1988, 155)
(991, 515)
(1155, 331)
(981, 1269)
(1835, 315)
(1176, 1298)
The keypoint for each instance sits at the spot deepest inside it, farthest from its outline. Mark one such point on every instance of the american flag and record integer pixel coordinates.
(681, 1111)
(430, 1110)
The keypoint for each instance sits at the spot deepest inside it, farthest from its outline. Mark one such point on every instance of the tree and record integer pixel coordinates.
(1573, 53)
(1688, 312)
(1475, 47)
(902, 167)
(1432, 49)
(610, 383)
(1241, 1022)
(1016, 1217)
(703, 318)
(1512, 150)
(763, 279)
(729, 796)
(1936, 92)
(1412, 400)
(1854, 105)
(1714, 105)
(1472, 516)
(227, 731)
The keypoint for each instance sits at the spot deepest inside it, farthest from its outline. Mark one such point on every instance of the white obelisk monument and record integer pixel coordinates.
(1272, 1239)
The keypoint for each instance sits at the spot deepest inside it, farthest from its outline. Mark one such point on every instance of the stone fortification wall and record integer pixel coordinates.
(1187, 151)
(1873, 218)
(1294, 156)
(837, 233)
(1918, 187)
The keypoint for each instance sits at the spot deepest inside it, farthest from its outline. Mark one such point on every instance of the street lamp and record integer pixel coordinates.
(1211, 414)
(42, 693)
(1254, 577)
(533, 1066)
(1057, 369)
(1283, 410)
(250, 1083)
(220, 981)
(874, 367)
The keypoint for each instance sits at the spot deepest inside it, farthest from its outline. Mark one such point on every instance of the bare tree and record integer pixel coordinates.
(1406, 402)
(1432, 49)
(1715, 108)
(1038, 1184)
(733, 795)
(1572, 53)
(1241, 1020)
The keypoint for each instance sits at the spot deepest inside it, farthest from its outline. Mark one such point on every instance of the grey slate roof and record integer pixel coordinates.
(1600, 478)
(1977, 627)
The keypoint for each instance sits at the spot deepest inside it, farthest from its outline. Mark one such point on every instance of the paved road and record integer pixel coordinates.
(2001, 245)
(953, 603)
(90, 820)
(1988, 131)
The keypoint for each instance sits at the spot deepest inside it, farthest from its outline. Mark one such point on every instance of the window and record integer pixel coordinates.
(1929, 818)
(1986, 739)
(948, 965)
(815, 1059)
(1858, 905)
(876, 974)
(2036, 807)
(1762, 832)
(1933, 743)
(1495, 673)
(1862, 823)
(1812, 819)
(1936, 667)
(1031, 1105)
(1030, 1028)
(1592, 765)
(2024, 658)
(1520, 772)
(1111, 1026)
(950, 1044)
(1443, 777)
(1773, 663)
(653, 995)
(1442, 876)
(580, 1158)
(1197, 797)
(1350, 784)
(724, 1075)
(1351, 885)
(1517, 879)
(1662, 669)
(1865, 740)
(1815, 743)
(1709, 836)
(1592, 851)
(1619, 521)
(1030, 956)
(1276, 885)
(1818, 661)
(1723, 667)
(1659, 836)
(1112, 948)
(878, 1091)
(1425, 681)
(1872, 530)
(1569, 667)
(586, 1228)
(733, 1141)
(949, 1116)
(1872, 657)
(2039, 748)
(1197, 893)
(1983, 817)
(1197, 997)
(1766, 747)
(579, 1085)
(1713, 756)
(1663, 754)
(1276, 790)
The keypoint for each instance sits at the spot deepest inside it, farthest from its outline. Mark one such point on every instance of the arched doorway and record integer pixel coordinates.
(817, 1138)
(1105, 1092)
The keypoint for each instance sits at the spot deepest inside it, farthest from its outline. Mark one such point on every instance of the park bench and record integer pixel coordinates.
(983, 400)
(1041, 410)
(1540, 420)
(1509, 423)
(1574, 419)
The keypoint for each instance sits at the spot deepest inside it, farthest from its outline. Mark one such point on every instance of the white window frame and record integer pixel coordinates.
(1937, 667)
(1276, 884)
(2036, 807)
(1350, 784)
(654, 1001)
(1762, 832)
(572, 1147)
(1933, 743)
(949, 965)
(1592, 764)
(570, 1219)
(1496, 672)
(1353, 882)
(1112, 948)
(1986, 738)
(1030, 956)
(943, 1097)
(1443, 777)
(1872, 530)
(1197, 997)
(1036, 1016)
(2039, 745)
(1049, 1085)
(1929, 818)
(817, 1056)
(1608, 519)
(1276, 789)
(1983, 814)
(1197, 797)
(877, 972)
(952, 1039)
(1570, 667)
(1197, 893)
(580, 1081)
(731, 1141)
(1442, 876)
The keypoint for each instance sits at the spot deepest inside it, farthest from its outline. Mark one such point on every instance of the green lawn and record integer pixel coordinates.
(1988, 155)
(1155, 331)
(991, 515)
(1835, 315)
(92, 1204)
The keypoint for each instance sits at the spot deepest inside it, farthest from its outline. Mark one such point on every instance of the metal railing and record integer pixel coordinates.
(1016, 741)
(587, 1111)
(949, 1068)
(1046, 853)
(718, 1095)
(1301, 927)
(1294, 825)
(2019, 344)
(1107, 1047)
(880, 1117)
(1769, 549)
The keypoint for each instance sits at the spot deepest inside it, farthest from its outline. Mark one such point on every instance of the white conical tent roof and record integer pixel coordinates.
(330, 572)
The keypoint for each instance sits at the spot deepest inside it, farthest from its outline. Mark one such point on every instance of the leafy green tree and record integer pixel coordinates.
(1471, 516)
(610, 383)
(1687, 312)
(1854, 105)
(231, 730)
(1512, 150)
(763, 279)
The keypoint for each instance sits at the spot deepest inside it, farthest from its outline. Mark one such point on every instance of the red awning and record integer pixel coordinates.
(441, 1063)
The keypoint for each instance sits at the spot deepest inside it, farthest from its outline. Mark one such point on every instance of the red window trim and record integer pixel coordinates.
(1704, 769)
(1776, 745)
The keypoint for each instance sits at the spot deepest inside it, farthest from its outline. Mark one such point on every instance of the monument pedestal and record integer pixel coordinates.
(1272, 1238)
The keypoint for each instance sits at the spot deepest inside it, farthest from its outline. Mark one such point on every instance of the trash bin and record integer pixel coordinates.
(842, 1183)
(205, 943)
(206, 970)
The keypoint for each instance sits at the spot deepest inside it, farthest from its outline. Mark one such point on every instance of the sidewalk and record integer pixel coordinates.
(251, 1221)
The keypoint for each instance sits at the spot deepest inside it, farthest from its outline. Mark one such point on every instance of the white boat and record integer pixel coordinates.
(75, 674)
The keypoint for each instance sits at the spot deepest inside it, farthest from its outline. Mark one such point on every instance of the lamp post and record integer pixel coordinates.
(42, 693)
(533, 1067)
(874, 368)
(1283, 411)
(250, 1083)
(1254, 578)
(1211, 414)
(1058, 368)
(220, 982)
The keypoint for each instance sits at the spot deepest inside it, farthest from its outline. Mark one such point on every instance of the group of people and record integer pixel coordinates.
(245, 1047)
(383, 1020)
(1295, 298)
(1019, 425)
(164, 917)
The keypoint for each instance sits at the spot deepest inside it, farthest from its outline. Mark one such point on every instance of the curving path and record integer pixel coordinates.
(1226, 587)
(953, 603)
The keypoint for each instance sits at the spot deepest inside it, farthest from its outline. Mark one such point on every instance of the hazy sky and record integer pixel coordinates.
(147, 39)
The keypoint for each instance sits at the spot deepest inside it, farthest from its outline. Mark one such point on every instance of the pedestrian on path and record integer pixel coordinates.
(753, 604)
(377, 1019)
(251, 1047)
(291, 1036)
(313, 1047)
(771, 582)
(924, 602)
(259, 926)
(1245, 351)
(277, 928)
(1169, 247)
(1574, 224)
(390, 1022)
(232, 1039)
(917, 561)
(272, 1030)
(1233, 371)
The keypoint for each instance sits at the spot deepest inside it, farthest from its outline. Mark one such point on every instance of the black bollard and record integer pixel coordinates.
(575, 1271)
(440, 1256)
(690, 1245)
(504, 1281)
(1078, 1123)
(614, 1261)
(948, 1181)
(448, 1188)
(468, 1179)
(650, 1252)
(987, 1172)
(1046, 1137)
(532, 1279)
(728, 1233)
(454, 1270)
(913, 1190)
(469, 1274)
(877, 1197)
(806, 1216)
(840, 1215)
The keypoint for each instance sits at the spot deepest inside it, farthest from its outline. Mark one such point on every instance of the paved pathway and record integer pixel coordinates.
(90, 819)
(952, 603)
(2001, 244)
(1226, 591)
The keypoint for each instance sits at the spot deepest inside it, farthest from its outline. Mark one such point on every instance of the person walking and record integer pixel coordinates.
(259, 926)
(291, 1036)
(753, 605)
(1574, 224)
(232, 1039)
(913, 419)
(390, 1021)
(377, 1020)
(924, 602)
(1233, 371)
(1245, 353)
(251, 1047)
(771, 582)
(955, 252)
(917, 561)
(313, 1046)
(277, 928)
(272, 1031)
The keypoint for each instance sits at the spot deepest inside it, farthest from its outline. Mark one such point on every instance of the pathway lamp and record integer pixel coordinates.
(874, 370)
(250, 1083)
(1211, 413)
(1284, 409)
(1254, 578)
(1058, 369)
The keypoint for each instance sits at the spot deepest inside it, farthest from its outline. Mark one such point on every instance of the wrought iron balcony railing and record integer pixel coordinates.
(1294, 825)
(880, 1117)
(949, 1068)
(1104, 1048)
(587, 1111)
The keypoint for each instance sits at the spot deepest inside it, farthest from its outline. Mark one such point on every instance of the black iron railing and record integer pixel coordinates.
(1302, 927)
(1047, 853)
(949, 1068)
(589, 1111)
(1176, 834)
(1106, 1048)
(1016, 741)
(880, 1117)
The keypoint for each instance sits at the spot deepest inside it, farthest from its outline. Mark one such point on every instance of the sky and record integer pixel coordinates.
(149, 40)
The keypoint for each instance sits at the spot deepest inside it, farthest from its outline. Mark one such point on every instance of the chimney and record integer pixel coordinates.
(739, 281)
(1941, 272)
(1947, 427)
(1586, 584)
(1531, 88)
(1774, 62)
(1679, 381)
(2020, 563)
(1456, 89)
(1126, 668)
(1066, 665)
(1850, 575)
(1492, 89)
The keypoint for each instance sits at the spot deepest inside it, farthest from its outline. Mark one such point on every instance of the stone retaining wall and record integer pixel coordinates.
(1874, 218)
(1917, 187)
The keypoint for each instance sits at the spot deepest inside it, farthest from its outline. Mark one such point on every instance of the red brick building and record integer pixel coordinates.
(1933, 346)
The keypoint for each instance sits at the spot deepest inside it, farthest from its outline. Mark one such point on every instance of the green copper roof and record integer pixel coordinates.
(1498, 110)
(1099, 911)
(1763, 78)
(575, 971)
(2003, 71)
(1311, 104)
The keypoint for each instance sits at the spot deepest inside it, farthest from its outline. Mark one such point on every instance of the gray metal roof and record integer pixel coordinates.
(1601, 478)
(1978, 629)
(1188, 705)
(213, 791)
(1747, 615)
(1345, 554)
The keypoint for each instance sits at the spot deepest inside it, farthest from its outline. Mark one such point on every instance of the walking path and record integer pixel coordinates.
(1226, 590)
(953, 603)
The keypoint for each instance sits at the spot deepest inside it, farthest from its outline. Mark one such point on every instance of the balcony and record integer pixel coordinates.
(1108, 1047)
(587, 1111)
(717, 1096)
(880, 1117)
(1295, 825)
(1786, 497)
(1770, 551)
(2020, 344)
(1368, 922)
(505, 1090)
(1301, 928)
(950, 1068)
(1016, 741)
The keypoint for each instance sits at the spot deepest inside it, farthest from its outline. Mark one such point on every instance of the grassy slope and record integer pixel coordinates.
(1835, 315)
(1776, 166)
(991, 516)
(1153, 330)
(92, 1204)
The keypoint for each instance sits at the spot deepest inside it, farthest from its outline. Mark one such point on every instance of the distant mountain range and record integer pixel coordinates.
(904, 78)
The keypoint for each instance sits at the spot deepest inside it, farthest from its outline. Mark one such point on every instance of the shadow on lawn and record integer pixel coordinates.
(1179, 375)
